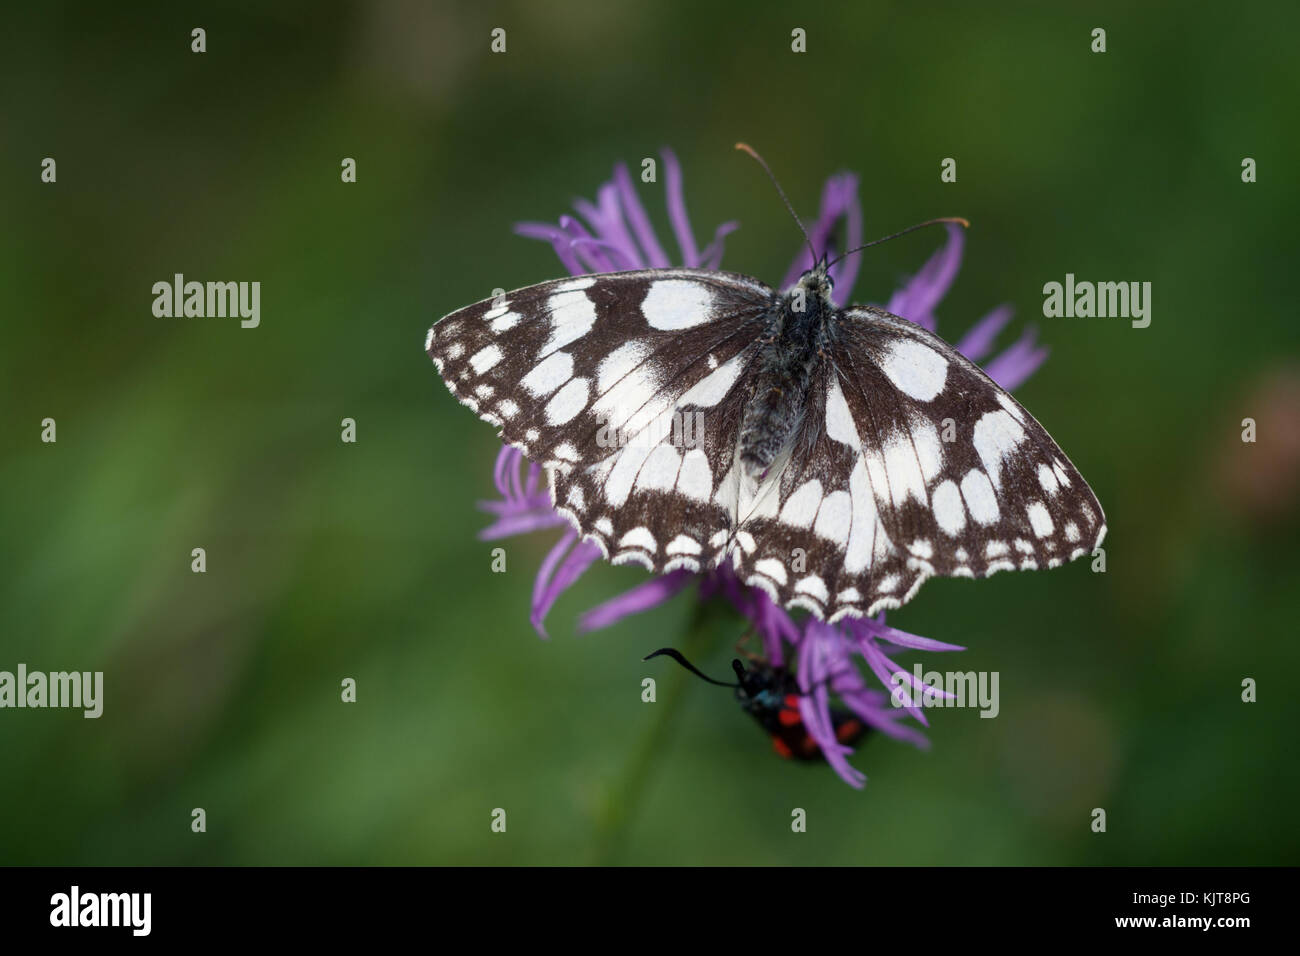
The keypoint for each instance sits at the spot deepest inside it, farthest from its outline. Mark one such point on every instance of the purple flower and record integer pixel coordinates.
(614, 233)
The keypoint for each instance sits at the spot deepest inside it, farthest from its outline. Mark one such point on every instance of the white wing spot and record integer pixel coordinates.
(839, 422)
(618, 363)
(554, 371)
(695, 480)
(1047, 478)
(714, 387)
(683, 544)
(1040, 519)
(1012, 408)
(915, 369)
(996, 436)
(484, 359)
(572, 316)
(677, 304)
(1072, 532)
(801, 507)
(507, 408)
(639, 538)
(659, 473)
(949, 511)
(929, 451)
(568, 402)
(506, 322)
(833, 518)
(904, 469)
(619, 483)
(773, 569)
(815, 586)
(576, 499)
(995, 549)
(981, 501)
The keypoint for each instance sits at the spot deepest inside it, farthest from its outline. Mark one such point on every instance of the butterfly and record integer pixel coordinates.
(836, 458)
(771, 696)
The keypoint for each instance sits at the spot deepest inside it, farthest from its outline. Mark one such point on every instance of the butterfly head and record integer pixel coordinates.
(817, 282)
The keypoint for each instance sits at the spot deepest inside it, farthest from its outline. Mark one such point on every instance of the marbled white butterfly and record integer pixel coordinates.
(838, 457)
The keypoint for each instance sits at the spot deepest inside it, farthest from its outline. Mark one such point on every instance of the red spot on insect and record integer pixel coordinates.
(792, 701)
(789, 718)
(847, 730)
(781, 747)
(808, 745)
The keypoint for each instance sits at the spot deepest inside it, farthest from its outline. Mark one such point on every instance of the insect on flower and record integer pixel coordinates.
(771, 695)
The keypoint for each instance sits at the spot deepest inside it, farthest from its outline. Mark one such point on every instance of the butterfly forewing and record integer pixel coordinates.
(553, 364)
(628, 387)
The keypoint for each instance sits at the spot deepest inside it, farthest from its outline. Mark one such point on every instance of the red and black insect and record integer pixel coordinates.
(771, 696)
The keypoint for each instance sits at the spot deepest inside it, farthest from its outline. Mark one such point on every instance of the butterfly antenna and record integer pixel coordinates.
(676, 655)
(920, 225)
(749, 149)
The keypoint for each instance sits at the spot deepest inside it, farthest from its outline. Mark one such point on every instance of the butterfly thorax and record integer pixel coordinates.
(800, 325)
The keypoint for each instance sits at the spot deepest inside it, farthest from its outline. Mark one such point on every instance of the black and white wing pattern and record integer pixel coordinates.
(627, 387)
(873, 500)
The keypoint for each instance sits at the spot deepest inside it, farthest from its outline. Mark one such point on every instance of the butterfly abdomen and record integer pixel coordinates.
(798, 331)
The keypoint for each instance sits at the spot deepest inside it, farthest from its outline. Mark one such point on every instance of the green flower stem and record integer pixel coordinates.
(628, 791)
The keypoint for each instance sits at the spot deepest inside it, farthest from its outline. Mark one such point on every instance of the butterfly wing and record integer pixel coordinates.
(627, 387)
(878, 501)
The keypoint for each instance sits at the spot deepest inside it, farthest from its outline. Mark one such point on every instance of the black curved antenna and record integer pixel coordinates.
(920, 225)
(676, 655)
(745, 147)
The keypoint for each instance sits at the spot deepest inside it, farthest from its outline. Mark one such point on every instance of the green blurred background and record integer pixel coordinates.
(327, 560)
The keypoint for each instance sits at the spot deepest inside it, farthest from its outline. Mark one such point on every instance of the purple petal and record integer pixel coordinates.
(637, 218)
(711, 257)
(520, 522)
(978, 342)
(548, 588)
(641, 598)
(1016, 364)
(586, 247)
(920, 294)
(677, 209)
(558, 239)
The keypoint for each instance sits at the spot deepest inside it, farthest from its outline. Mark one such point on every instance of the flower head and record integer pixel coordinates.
(614, 233)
